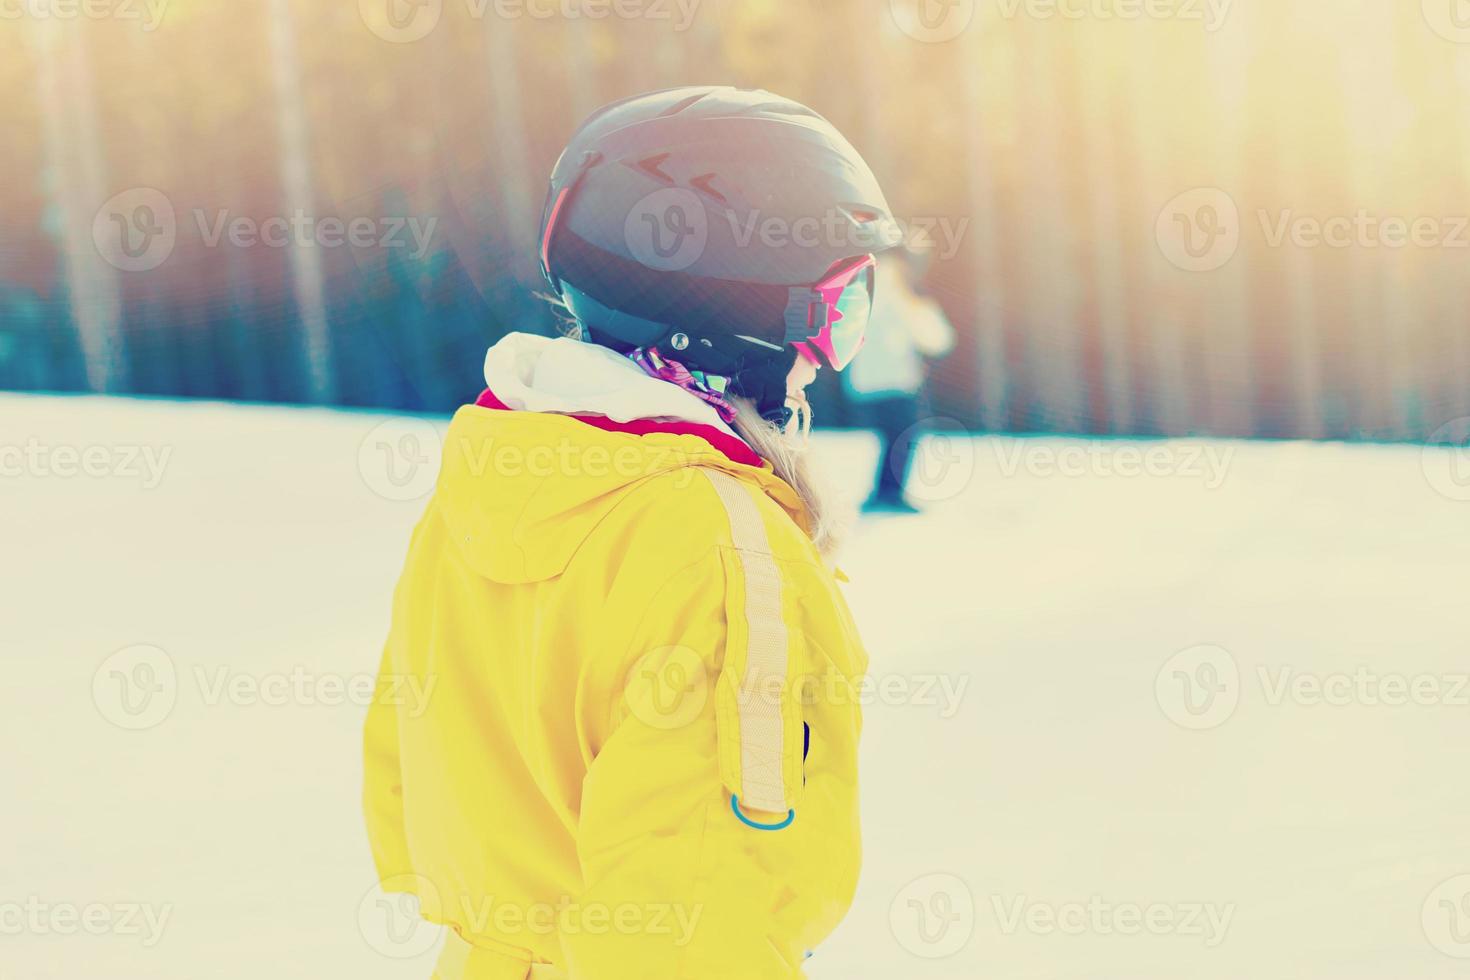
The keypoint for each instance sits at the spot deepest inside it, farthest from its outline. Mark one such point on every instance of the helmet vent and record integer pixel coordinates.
(702, 184)
(650, 166)
(683, 104)
(785, 109)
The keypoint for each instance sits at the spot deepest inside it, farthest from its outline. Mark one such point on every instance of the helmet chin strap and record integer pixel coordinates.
(764, 382)
(780, 416)
(800, 412)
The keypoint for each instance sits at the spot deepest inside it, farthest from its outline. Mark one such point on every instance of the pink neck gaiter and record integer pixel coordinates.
(710, 388)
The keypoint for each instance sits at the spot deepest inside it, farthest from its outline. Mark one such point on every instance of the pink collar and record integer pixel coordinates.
(731, 446)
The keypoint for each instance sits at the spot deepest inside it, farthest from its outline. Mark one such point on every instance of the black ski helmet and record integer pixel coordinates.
(700, 220)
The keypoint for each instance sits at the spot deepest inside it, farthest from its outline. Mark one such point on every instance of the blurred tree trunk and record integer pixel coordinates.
(78, 184)
(1110, 312)
(1053, 345)
(1054, 335)
(669, 55)
(1087, 197)
(513, 170)
(1228, 323)
(989, 284)
(1363, 79)
(581, 68)
(1161, 362)
(1303, 410)
(1456, 326)
(1265, 371)
(1402, 329)
(1415, 348)
(296, 185)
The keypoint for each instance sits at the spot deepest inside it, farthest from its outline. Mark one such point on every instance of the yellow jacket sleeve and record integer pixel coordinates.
(382, 791)
(715, 702)
(382, 781)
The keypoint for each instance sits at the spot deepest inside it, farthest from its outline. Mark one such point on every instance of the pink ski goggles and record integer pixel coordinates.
(841, 305)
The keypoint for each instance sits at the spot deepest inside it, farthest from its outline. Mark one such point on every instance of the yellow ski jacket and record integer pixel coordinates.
(639, 667)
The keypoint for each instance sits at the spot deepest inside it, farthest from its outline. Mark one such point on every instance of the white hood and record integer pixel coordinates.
(544, 374)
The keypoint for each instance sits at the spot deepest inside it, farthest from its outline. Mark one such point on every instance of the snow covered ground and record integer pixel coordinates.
(1141, 709)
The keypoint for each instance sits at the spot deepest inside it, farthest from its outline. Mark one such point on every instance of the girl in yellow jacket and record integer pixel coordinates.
(639, 757)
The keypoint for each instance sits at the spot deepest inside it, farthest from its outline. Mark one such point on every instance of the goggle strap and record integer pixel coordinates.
(806, 314)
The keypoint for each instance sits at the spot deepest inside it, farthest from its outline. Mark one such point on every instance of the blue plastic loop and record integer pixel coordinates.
(735, 806)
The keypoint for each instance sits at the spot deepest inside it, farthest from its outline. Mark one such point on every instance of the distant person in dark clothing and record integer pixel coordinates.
(884, 385)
